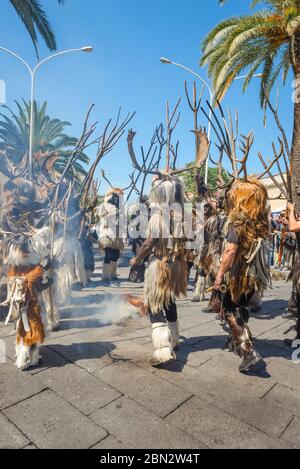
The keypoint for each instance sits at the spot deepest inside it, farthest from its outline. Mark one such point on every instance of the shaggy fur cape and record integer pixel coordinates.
(248, 214)
(32, 275)
(166, 274)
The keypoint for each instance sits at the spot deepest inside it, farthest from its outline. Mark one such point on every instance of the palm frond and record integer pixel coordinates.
(49, 135)
(35, 20)
(261, 41)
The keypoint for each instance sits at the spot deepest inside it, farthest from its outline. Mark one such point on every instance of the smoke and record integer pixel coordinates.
(112, 309)
(115, 309)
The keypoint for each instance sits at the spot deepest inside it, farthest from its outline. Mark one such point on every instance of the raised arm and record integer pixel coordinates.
(227, 260)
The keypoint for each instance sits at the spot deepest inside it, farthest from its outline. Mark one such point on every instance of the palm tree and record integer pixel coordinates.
(267, 41)
(35, 20)
(48, 138)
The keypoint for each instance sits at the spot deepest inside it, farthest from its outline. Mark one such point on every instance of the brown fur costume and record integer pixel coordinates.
(248, 215)
(248, 229)
(32, 275)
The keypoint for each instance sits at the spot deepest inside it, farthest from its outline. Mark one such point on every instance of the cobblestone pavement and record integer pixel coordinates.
(95, 388)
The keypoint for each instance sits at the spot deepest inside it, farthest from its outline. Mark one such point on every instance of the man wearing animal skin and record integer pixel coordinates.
(244, 263)
(25, 280)
(108, 231)
(210, 254)
(293, 223)
(21, 206)
(166, 274)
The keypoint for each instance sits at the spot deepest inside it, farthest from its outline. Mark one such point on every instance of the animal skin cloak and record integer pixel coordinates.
(32, 275)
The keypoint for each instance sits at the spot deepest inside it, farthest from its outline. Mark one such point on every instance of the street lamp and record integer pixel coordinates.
(32, 72)
(164, 60)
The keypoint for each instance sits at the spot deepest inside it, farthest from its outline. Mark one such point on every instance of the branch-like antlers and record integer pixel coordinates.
(106, 142)
(283, 188)
(227, 133)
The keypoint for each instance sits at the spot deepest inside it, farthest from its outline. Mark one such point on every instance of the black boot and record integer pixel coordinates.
(250, 358)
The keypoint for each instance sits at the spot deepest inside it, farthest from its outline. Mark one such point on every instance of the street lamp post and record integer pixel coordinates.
(211, 94)
(32, 72)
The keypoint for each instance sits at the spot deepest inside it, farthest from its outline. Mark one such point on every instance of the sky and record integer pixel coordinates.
(129, 37)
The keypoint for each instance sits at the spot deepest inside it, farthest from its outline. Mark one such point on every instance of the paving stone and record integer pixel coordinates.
(262, 325)
(283, 373)
(226, 365)
(16, 386)
(110, 442)
(193, 320)
(270, 352)
(266, 415)
(216, 379)
(132, 352)
(143, 333)
(84, 350)
(218, 429)
(10, 436)
(292, 433)
(276, 335)
(50, 422)
(98, 331)
(145, 388)
(196, 355)
(287, 398)
(78, 387)
(211, 330)
(275, 302)
(143, 340)
(6, 331)
(137, 427)
(48, 357)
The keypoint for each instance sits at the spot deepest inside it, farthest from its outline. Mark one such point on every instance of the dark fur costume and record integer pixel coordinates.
(21, 206)
(248, 222)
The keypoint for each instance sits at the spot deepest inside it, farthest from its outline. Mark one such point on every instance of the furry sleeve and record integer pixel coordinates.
(34, 276)
(146, 249)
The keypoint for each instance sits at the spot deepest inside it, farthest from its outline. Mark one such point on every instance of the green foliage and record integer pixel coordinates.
(189, 179)
(35, 20)
(259, 42)
(48, 136)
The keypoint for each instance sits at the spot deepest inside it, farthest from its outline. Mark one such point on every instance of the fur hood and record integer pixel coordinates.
(167, 191)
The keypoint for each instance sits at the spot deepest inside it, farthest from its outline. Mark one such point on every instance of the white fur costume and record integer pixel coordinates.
(166, 274)
(108, 232)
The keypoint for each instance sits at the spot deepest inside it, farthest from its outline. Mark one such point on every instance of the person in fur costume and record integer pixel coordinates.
(244, 264)
(209, 258)
(200, 281)
(139, 214)
(21, 207)
(108, 232)
(25, 277)
(293, 223)
(166, 274)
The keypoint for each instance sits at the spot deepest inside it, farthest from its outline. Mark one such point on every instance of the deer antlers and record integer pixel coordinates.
(283, 188)
(106, 142)
(227, 135)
